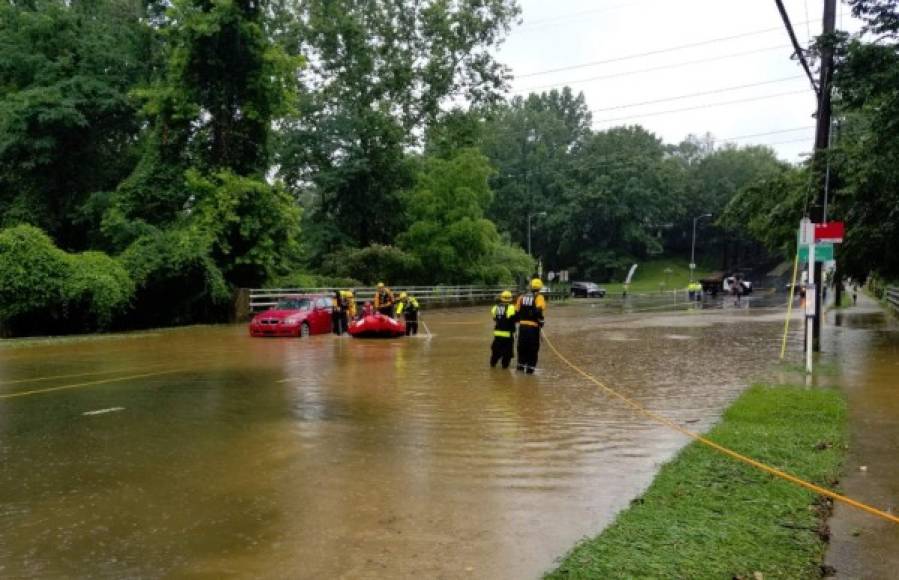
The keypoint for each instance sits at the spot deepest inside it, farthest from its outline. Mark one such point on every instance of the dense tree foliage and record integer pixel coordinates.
(155, 155)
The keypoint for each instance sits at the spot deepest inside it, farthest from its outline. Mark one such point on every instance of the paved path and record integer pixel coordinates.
(865, 340)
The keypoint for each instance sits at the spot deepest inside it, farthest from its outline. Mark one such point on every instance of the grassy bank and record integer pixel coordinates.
(650, 275)
(707, 516)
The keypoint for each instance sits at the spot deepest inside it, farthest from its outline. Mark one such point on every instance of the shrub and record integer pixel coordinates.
(176, 280)
(97, 290)
(45, 290)
(32, 272)
(375, 263)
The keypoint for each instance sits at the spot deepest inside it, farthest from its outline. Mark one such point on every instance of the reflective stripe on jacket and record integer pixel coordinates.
(504, 319)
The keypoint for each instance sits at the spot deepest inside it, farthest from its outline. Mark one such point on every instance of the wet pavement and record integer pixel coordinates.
(865, 340)
(203, 452)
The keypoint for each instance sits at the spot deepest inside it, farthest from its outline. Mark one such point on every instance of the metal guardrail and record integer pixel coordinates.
(892, 297)
(261, 298)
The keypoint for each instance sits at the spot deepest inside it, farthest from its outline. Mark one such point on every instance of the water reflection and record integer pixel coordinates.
(332, 457)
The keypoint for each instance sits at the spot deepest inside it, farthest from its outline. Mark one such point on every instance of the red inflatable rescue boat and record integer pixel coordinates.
(376, 326)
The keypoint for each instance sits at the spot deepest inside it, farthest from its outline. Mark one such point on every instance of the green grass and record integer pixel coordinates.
(650, 274)
(708, 516)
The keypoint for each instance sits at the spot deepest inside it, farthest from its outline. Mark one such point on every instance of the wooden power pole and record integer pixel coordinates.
(822, 143)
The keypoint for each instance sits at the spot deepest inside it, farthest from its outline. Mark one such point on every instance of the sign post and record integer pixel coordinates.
(807, 237)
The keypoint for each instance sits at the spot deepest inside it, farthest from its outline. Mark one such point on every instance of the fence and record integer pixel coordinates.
(261, 298)
(892, 297)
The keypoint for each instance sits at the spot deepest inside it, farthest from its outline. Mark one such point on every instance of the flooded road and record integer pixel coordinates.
(866, 342)
(203, 452)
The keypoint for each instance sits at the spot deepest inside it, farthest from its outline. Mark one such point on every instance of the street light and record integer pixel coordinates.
(693, 245)
(533, 215)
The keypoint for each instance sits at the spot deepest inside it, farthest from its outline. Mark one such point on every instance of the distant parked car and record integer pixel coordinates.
(587, 290)
(294, 316)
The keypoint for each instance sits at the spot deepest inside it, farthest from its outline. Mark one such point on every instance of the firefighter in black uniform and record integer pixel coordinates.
(503, 330)
(530, 309)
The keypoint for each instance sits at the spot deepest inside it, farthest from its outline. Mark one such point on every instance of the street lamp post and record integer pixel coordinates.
(532, 215)
(693, 245)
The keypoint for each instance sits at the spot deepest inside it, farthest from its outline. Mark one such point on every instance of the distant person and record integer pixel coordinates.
(338, 314)
(504, 318)
(384, 300)
(349, 297)
(736, 289)
(407, 306)
(855, 294)
(530, 309)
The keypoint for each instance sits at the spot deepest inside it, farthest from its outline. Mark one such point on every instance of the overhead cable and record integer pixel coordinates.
(692, 95)
(651, 69)
(698, 107)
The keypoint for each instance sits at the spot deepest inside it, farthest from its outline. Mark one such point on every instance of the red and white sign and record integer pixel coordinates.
(829, 232)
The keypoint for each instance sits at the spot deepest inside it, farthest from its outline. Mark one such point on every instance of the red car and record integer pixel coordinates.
(294, 316)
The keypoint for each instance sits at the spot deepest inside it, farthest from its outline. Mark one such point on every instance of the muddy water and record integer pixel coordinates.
(866, 342)
(203, 452)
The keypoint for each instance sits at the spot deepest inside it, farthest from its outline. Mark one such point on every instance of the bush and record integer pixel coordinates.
(305, 280)
(97, 290)
(32, 273)
(375, 263)
(176, 280)
(45, 290)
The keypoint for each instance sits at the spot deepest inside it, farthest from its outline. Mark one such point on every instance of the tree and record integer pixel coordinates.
(68, 130)
(533, 142)
(449, 233)
(380, 72)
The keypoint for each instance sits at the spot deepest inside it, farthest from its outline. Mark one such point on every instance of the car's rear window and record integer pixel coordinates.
(295, 304)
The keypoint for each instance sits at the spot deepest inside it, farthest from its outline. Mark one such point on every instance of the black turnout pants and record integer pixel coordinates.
(338, 321)
(502, 348)
(411, 323)
(528, 347)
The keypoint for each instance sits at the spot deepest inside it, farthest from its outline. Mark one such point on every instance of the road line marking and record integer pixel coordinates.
(104, 411)
(50, 378)
(88, 384)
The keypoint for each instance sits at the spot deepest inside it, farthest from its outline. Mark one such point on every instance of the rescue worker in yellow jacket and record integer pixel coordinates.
(407, 306)
(504, 319)
(384, 300)
(530, 309)
(350, 298)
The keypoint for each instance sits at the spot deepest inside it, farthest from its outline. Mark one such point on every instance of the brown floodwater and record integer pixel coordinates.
(866, 342)
(203, 452)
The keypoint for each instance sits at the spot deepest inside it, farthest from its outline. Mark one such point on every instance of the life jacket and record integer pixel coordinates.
(383, 298)
(530, 309)
(504, 320)
(409, 306)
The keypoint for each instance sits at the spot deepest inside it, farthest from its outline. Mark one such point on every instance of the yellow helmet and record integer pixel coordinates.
(506, 296)
(403, 295)
(536, 284)
(380, 285)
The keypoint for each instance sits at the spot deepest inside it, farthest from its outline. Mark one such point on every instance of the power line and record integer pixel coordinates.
(707, 106)
(651, 52)
(797, 49)
(779, 131)
(692, 95)
(651, 69)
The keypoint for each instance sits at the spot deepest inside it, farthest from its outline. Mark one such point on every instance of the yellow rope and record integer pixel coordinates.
(720, 448)
(783, 344)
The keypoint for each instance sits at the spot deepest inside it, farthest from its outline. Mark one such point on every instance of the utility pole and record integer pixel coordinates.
(822, 142)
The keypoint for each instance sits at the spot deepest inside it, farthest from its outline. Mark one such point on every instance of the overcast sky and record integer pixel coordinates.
(569, 33)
